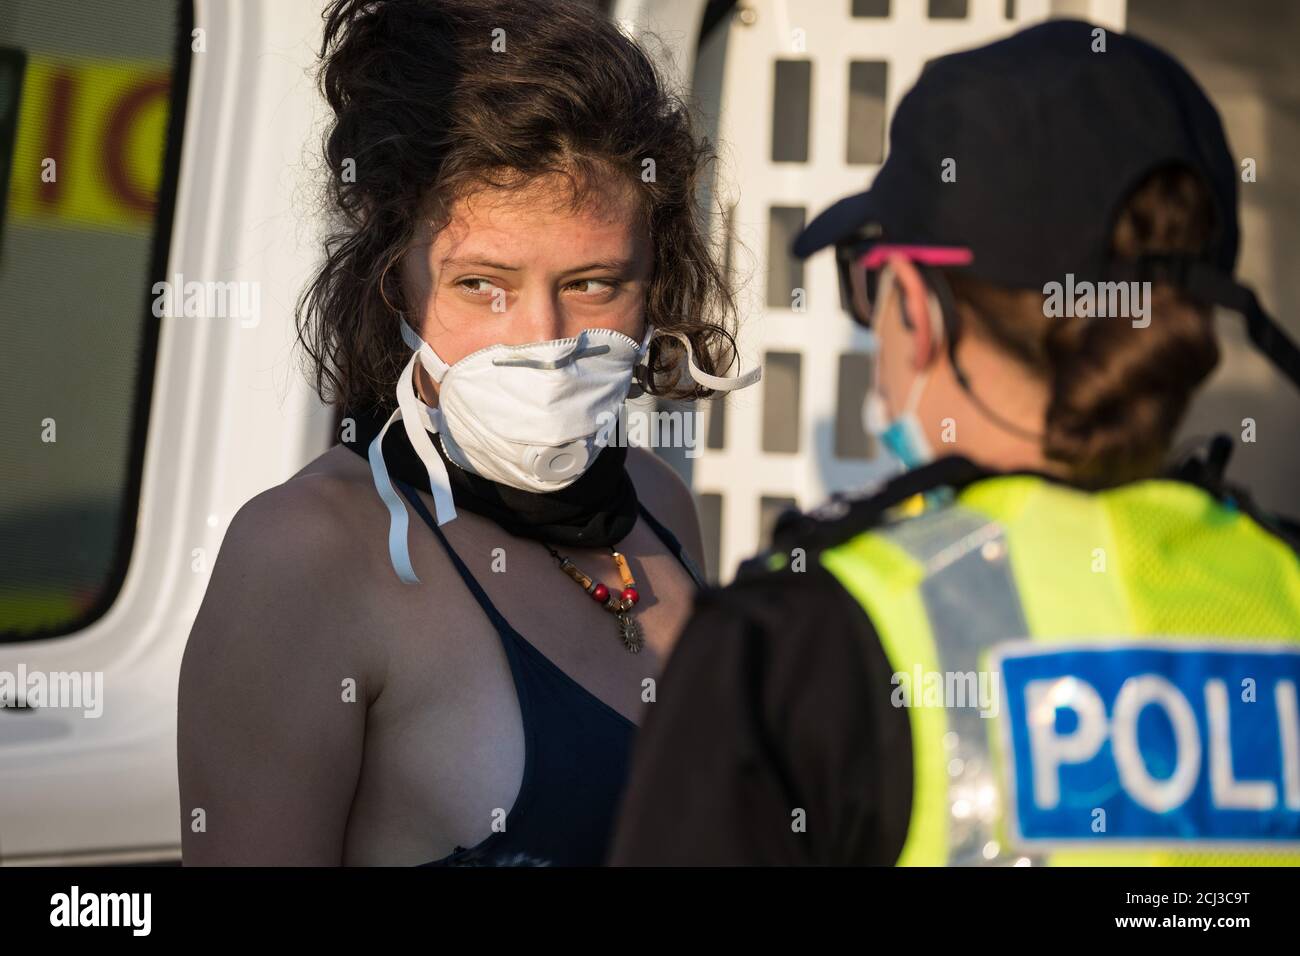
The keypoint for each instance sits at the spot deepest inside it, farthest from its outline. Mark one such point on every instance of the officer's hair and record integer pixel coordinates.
(434, 99)
(1117, 392)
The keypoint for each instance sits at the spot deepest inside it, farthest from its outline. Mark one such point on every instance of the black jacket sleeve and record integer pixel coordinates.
(772, 739)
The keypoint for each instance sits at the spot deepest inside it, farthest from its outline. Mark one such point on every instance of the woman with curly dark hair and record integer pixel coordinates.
(516, 248)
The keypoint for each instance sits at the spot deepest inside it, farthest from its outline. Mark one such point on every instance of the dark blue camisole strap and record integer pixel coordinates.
(499, 622)
(673, 544)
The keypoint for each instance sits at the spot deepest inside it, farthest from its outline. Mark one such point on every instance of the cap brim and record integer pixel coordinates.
(836, 222)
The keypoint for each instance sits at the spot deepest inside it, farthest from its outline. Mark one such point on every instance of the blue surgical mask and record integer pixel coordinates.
(902, 437)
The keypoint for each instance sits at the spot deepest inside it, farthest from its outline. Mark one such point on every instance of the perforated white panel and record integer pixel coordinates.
(786, 71)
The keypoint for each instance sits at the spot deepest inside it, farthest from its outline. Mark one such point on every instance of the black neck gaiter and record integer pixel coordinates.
(597, 510)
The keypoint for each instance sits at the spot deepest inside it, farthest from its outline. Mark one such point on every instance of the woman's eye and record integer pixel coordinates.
(482, 287)
(592, 286)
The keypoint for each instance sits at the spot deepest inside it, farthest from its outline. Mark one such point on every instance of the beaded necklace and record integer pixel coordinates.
(619, 605)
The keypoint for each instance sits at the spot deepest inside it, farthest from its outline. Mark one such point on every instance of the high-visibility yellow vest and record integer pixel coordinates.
(1103, 677)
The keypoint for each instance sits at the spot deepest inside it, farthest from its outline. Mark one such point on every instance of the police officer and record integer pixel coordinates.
(1042, 642)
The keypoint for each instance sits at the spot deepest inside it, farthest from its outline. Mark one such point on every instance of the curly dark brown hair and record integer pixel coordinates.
(434, 99)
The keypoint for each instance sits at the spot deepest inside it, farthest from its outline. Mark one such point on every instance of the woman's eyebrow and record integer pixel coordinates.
(481, 262)
(611, 265)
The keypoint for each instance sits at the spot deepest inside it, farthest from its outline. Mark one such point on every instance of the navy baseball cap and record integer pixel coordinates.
(1039, 132)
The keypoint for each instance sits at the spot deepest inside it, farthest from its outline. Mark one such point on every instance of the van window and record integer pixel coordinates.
(91, 96)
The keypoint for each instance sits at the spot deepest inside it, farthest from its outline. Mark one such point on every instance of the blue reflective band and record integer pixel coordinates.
(1172, 742)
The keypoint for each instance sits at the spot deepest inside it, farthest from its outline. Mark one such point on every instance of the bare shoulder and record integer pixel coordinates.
(306, 524)
(662, 490)
(293, 565)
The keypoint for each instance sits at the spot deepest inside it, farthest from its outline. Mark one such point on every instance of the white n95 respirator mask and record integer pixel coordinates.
(526, 416)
